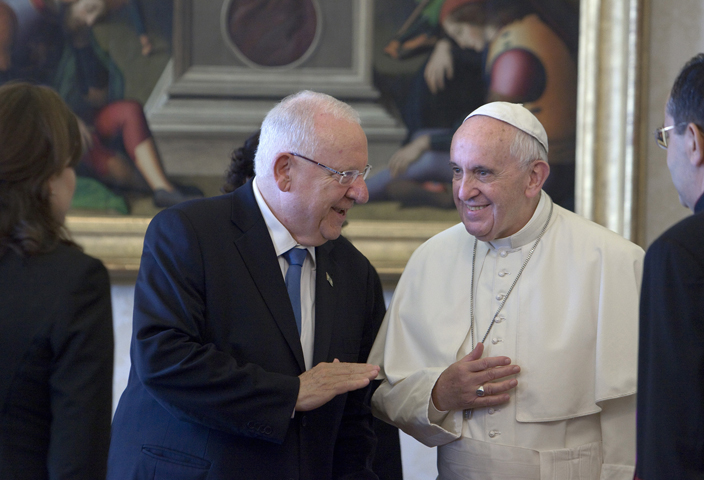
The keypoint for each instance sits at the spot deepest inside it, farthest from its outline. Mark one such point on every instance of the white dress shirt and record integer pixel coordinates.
(283, 241)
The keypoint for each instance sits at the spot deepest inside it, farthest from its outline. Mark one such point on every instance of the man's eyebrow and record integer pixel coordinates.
(475, 167)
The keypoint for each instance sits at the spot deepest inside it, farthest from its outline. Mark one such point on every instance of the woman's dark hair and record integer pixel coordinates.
(242, 164)
(686, 103)
(39, 138)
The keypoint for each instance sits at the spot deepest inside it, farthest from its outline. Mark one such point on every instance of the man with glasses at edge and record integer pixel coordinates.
(253, 318)
(670, 427)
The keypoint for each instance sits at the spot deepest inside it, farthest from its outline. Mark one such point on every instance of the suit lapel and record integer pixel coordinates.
(257, 251)
(325, 294)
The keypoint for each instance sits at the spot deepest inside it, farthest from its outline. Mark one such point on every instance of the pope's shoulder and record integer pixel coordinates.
(453, 239)
(591, 234)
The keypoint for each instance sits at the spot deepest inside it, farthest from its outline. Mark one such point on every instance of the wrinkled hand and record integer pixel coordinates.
(439, 66)
(406, 155)
(457, 385)
(323, 382)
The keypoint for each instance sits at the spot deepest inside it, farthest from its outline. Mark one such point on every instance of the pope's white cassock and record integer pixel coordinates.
(570, 323)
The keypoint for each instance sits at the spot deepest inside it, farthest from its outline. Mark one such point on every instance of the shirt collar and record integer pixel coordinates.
(699, 206)
(281, 238)
(530, 230)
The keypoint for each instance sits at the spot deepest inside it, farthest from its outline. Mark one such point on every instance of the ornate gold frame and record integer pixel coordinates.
(609, 142)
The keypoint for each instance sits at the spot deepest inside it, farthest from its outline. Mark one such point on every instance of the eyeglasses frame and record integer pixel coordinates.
(346, 174)
(662, 133)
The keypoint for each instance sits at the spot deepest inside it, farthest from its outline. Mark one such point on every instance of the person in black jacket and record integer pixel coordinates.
(387, 456)
(670, 415)
(56, 336)
(235, 373)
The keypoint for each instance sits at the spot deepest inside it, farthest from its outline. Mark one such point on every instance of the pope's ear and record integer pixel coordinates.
(539, 172)
(282, 171)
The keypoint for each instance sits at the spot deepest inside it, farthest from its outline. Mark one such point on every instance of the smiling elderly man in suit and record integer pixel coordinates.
(248, 362)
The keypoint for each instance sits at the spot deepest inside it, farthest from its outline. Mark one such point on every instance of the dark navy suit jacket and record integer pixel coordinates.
(216, 354)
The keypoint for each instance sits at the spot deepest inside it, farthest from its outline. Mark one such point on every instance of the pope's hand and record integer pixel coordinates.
(457, 386)
(323, 382)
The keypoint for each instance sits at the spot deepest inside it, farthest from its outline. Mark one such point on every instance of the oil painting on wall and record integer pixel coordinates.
(429, 63)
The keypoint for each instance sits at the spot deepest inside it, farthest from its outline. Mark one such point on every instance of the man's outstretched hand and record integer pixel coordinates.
(326, 380)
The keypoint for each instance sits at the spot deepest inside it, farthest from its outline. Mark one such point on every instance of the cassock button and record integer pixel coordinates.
(503, 273)
(503, 253)
(492, 411)
(496, 340)
(500, 319)
(304, 421)
(494, 433)
(500, 296)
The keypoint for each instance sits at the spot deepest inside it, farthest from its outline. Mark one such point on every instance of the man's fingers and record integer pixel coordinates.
(353, 383)
(496, 388)
(488, 363)
(495, 393)
(326, 380)
(497, 373)
(474, 354)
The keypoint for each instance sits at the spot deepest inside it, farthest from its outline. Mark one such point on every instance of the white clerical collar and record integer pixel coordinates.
(530, 230)
(281, 238)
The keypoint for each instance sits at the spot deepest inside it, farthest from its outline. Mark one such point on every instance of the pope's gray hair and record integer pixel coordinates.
(527, 149)
(290, 127)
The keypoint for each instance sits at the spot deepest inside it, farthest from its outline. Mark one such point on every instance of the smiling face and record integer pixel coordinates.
(315, 204)
(494, 195)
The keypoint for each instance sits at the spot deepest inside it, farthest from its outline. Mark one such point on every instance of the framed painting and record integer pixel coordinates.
(218, 82)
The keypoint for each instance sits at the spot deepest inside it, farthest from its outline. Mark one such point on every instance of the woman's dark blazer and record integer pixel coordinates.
(56, 357)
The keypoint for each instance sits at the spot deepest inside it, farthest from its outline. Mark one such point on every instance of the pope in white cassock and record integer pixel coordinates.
(514, 348)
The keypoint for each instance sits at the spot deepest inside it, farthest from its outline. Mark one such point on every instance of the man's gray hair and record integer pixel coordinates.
(527, 149)
(290, 127)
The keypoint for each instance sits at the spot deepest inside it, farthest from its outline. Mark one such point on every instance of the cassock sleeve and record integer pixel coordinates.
(406, 406)
(404, 396)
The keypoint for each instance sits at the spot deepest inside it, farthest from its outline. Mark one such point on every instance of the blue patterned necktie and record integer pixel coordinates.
(295, 258)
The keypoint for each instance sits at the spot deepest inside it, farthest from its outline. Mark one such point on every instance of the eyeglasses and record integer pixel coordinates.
(345, 178)
(661, 134)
